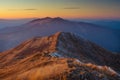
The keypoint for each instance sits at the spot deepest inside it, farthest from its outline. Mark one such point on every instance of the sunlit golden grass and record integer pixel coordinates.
(45, 73)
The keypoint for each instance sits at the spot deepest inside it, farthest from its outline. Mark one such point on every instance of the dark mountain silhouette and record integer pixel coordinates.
(62, 56)
(11, 37)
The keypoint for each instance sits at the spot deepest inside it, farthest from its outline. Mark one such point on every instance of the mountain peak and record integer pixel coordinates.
(47, 19)
(58, 18)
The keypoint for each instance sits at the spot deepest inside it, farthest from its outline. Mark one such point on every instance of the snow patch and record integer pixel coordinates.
(56, 54)
(108, 68)
(77, 60)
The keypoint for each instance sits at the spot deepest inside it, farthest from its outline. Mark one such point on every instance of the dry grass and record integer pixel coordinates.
(104, 69)
(50, 72)
(34, 68)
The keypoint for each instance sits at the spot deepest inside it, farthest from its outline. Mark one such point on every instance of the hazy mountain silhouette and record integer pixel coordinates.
(13, 22)
(11, 37)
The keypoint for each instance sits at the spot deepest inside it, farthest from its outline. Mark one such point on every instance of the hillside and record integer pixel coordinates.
(62, 56)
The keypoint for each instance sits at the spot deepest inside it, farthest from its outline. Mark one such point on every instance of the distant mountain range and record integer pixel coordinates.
(61, 56)
(13, 36)
(13, 22)
(107, 23)
(113, 24)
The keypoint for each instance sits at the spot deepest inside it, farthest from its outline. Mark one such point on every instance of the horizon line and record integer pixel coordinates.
(55, 17)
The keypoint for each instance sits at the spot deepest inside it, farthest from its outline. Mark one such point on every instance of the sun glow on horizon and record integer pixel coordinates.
(64, 8)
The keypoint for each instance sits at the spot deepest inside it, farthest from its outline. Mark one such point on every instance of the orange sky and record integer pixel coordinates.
(63, 8)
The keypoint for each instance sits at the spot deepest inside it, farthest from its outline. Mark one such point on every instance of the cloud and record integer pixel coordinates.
(27, 9)
(30, 9)
(71, 8)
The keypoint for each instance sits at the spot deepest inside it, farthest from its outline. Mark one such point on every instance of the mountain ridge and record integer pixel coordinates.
(60, 56)
(63, 43)
(47, 18)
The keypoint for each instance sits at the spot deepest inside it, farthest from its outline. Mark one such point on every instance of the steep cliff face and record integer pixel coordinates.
(58, 57)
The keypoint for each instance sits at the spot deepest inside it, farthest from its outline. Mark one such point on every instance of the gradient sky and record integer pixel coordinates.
(61, 8)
